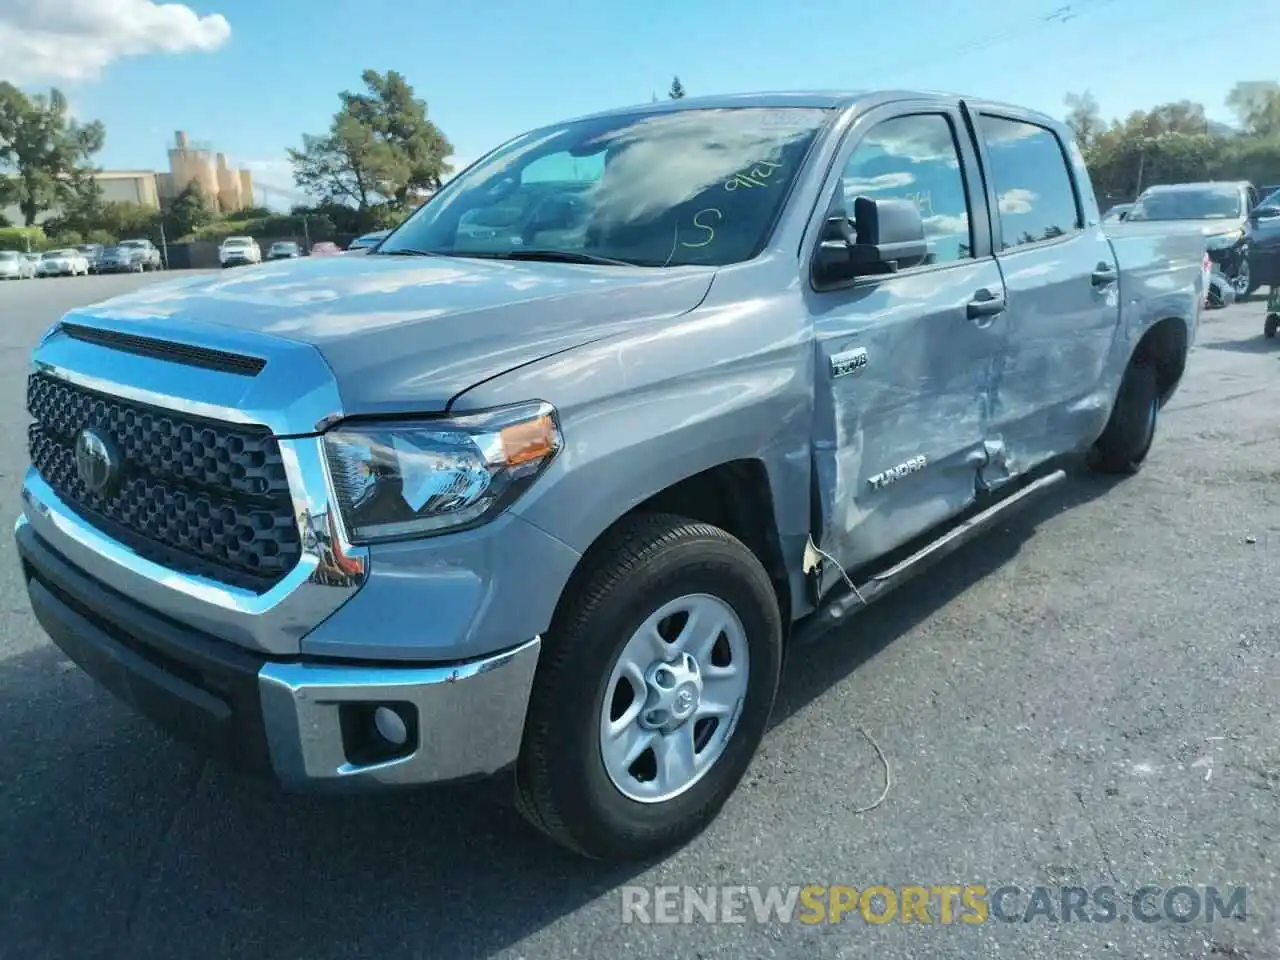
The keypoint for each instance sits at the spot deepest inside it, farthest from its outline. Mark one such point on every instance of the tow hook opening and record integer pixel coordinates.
(375, 732)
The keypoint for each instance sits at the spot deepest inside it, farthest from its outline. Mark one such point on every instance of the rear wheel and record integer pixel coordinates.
(1131, 429)
(654, 689)
(1270, 324)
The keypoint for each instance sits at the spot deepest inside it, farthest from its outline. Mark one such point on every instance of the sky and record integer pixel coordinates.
(251, 76)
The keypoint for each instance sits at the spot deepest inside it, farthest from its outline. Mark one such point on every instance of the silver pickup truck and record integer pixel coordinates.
(550, 500)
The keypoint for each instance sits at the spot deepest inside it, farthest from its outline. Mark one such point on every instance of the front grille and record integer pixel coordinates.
(198, 496)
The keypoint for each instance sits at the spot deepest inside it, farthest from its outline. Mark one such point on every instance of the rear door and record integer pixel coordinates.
(1063, 290)
(905, 360)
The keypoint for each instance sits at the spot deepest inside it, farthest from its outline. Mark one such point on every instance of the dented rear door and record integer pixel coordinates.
(906, 361)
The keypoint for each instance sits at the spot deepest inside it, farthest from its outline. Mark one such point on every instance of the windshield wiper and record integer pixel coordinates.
(552, 256)
(408, 252)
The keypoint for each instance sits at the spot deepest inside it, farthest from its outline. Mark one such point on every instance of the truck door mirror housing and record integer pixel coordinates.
(884, 236)
(1264, 213)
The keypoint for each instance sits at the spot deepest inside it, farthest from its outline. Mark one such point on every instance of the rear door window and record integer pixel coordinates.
(1028, 168)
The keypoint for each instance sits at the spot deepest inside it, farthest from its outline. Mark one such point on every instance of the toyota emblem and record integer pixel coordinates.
(95, 461)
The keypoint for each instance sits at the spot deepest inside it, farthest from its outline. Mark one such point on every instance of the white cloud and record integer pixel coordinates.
(1016, 200)
(73, 40)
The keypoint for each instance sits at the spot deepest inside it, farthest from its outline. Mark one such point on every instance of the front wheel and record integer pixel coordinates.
(654, 689)
(1270, 324)
(1243, 280)
(1131, 429)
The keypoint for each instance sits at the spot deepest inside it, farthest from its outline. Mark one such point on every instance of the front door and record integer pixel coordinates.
(1063, 288)
(905, 361)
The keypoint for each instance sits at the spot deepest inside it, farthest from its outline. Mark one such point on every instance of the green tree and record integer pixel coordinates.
(43, 153)
(127, 220)
(188, 212)
(1084, 118)
(380, 150)
(677, 89)
(1257, 105)
(1176, 142)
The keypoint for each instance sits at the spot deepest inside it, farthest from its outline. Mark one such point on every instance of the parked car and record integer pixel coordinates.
(63, 263)
(15, 266)
(284, 250)
(1264, 242)
(238, 251)
(122, 259)
(91, 252)
(555, 511)
(1219, 210)
(1117, 213)
(151, 259)
(369, 240)
(325, 248)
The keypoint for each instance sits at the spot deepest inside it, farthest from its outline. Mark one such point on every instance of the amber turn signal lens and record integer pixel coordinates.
(529, 441)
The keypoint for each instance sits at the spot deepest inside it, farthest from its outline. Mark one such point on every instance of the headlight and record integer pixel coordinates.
(404, 479)
(1224, 241)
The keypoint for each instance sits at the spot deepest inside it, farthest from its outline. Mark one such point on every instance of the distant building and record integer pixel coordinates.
(225, 188)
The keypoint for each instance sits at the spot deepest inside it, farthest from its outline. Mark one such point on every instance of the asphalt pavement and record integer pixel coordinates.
(1087, 696)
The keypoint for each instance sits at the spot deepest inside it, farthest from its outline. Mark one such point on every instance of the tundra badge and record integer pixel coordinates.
(883, 479)
(851, 361)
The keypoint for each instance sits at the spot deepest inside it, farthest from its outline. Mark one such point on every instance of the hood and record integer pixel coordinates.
(410, 333)
(1206, 228)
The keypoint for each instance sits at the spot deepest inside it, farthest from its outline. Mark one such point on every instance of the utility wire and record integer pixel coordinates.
(1063, 14)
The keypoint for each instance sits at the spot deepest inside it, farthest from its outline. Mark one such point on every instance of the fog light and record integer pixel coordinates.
(391, 725)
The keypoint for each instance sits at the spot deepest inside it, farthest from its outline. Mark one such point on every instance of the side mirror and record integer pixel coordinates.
(1264, 213)
(883, 237)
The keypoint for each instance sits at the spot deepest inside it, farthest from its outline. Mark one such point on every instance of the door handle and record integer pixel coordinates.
(1104, 274)
(985, 303)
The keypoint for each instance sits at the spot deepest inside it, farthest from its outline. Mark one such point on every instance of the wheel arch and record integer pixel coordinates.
(1164, 345)
(738, 497)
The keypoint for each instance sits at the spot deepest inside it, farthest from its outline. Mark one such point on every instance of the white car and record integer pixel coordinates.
(63, 263)
(237, 251)
(15, 266)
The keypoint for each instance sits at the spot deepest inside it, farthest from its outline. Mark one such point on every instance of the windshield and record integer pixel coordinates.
(133, 243)
(235, 242)
(1209, 204)
(667, 189)
(8, 255)
(56, 254)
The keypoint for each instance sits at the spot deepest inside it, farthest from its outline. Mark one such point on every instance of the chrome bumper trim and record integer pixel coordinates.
(470, 718)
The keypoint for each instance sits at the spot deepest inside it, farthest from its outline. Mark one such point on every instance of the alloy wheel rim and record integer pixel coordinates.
(673, 698)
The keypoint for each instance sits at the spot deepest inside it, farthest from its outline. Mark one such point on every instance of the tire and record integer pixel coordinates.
(1131, 429)
(648, 563)
(1270, 325)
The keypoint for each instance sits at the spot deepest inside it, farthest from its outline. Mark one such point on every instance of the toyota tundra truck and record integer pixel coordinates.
(549, 506)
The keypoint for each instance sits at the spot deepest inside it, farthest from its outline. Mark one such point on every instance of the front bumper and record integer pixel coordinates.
(306, 722)
(1228, 259)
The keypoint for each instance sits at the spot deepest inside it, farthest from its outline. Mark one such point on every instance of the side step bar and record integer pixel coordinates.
(877, 585)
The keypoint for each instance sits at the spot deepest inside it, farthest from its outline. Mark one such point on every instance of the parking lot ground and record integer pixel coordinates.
(1087, 696)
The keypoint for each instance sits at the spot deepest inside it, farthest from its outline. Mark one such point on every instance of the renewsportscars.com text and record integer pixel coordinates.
(940, 904)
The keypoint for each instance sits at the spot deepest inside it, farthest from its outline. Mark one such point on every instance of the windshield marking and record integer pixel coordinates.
(758, 176)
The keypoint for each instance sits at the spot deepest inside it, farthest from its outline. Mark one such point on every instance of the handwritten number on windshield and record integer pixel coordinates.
(757, 175)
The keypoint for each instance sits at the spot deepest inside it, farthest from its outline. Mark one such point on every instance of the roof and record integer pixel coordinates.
(1202, 185)
(811, 99)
